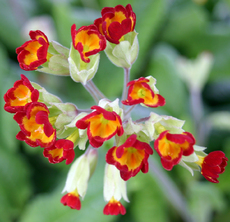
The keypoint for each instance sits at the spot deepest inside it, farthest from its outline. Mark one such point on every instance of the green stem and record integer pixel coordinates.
(126, 80)
(91, 92)
(96, 90)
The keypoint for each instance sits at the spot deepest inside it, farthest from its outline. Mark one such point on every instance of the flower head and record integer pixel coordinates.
(114, 207)
(141, 92)
(212, 165)
(33, 53)
(19, 95)
(72, 200)
(88, 41)
(36, 130)
(130, 158)
(61, 150)
(171, 147)
(101, 125)
(116, 22)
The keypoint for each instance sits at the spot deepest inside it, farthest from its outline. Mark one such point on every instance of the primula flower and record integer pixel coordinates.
(101, 125)
(33, 53)
(116, 22)
(72, 200)
(114, 207)
(36, 130)
(61, 150)
(130, 158)
(140, 92)
(212, 165)
(114, 190)
(171, 147)
(19, 95)
(88, 41)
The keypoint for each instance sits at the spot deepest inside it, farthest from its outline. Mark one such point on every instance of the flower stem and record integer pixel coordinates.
(126, 80)
(91, 92)
(96, 90)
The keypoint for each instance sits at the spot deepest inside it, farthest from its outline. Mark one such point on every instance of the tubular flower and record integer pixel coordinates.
(116, 22)
(19, 95)
(36, 129)
(130, 158)
(114, 190)
(33, 53)
(61, 150)
(88, 41)
(171, 147)
(140, 92)
(72, 200)
(114, 207)
(101, 125)
(212, 165)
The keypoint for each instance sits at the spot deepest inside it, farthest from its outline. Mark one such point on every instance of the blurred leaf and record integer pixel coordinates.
(148, 202)
(204, 198)
(8, 126)
(186, 21)
(150, 17)
(219, 120)
(162, 67)
(9, 25)
(15, 188)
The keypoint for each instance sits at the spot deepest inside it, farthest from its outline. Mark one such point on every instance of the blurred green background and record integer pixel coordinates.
(30, 187)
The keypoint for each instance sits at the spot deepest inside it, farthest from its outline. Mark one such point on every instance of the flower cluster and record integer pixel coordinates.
(59, 128)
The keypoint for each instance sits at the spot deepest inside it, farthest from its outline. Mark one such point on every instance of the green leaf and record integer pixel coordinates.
(170, 86)
(150, 17)
(148, 201)
(15, 188)
(204, 198)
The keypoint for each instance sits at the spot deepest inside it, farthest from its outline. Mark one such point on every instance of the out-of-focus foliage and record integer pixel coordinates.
(30, 187)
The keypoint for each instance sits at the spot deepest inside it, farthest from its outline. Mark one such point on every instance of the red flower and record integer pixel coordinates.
(36, 129)
(19, 95)
(88, 41)
(212, 165)
(61, 150)
(101, 125)
(130, 158)
(171, 147)
(72, 200)
(116, 22)
(140, 92)
(33, 53)
(114, 207)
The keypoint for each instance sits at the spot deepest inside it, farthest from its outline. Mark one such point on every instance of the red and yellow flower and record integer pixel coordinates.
(212, 165)
(116, 22)
(19, 95)
(61, 150)
(171, 147)
(114, 207)
(140, 92)
(88, 41)
(36, 130)
(72, 200)
(130, 158)
(33, 53)
(101, 125)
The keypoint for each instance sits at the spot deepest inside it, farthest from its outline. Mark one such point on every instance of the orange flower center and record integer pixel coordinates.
(131, 157)
(168, 148)
(99, 126)
(56, 153)
(22, 94)
(32, 48)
